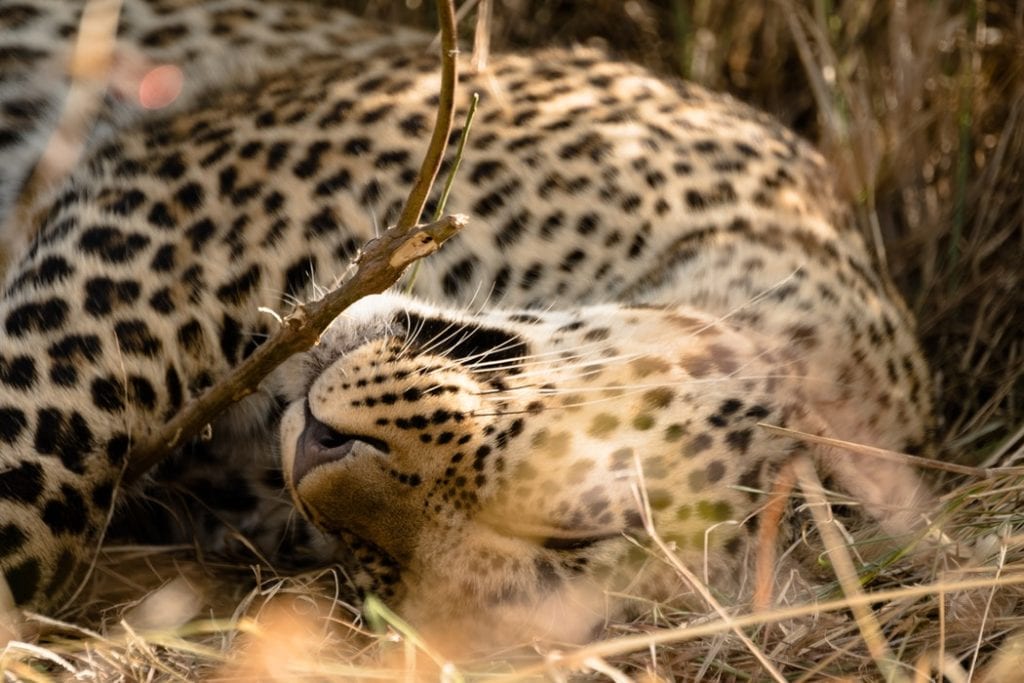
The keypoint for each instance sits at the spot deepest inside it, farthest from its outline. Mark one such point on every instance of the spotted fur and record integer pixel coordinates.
(651, 271)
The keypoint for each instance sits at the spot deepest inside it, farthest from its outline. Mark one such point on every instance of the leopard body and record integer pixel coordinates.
(651, 271)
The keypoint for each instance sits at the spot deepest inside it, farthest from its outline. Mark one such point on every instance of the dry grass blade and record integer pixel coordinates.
(380, 265)
(380, 614)
(698, 586)
(884, 454)
(842, 564)
(89, 69)
(619, 646)
(482, 35)
(771, 517)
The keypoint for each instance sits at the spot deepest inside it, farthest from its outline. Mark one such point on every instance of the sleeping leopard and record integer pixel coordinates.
(651, 272)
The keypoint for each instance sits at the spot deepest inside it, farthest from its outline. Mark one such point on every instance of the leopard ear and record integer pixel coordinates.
(462, 340)
(891, 492)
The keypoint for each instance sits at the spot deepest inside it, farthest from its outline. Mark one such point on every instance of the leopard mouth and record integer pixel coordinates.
(344, 483)
(320, 444)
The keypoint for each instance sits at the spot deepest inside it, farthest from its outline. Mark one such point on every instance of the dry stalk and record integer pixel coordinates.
(442, 125)
(482, 36)
(380, 264)
(768, 536)
(696, 584)
(89, 70)
(892, 456)
(843, 567)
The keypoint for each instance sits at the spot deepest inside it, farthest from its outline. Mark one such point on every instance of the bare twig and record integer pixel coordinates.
(449, 181)
(768, 536)
(442, 125)
(381, 263)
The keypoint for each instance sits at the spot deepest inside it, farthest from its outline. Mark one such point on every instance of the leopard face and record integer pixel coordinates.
(514, 464)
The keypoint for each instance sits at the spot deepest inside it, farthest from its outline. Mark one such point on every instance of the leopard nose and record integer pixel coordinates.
(320, 444)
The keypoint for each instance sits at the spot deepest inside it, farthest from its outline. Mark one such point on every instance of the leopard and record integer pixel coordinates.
(651, 274)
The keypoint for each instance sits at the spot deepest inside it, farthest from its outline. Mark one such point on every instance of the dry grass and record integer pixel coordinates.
(209, 622)
(921, 106)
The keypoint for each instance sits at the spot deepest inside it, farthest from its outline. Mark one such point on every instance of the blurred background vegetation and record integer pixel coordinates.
(920, 106)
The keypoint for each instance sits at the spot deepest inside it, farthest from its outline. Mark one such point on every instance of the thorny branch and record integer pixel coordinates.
(380, 265)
